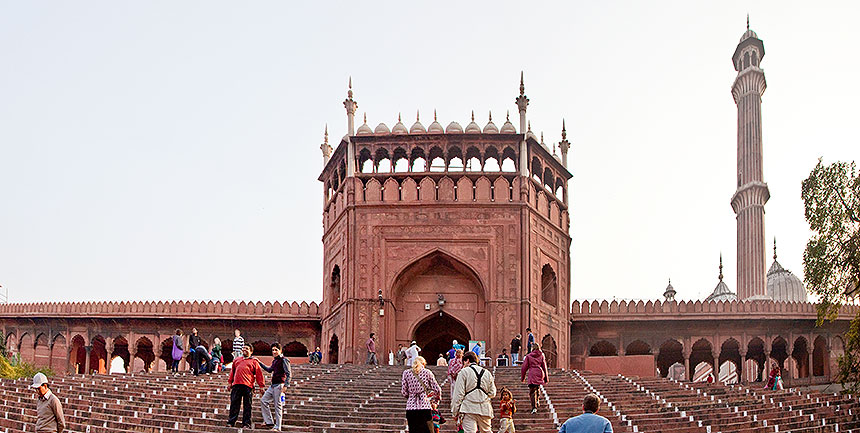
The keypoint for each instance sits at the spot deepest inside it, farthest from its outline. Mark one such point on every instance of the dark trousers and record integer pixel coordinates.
(240, 394)
(533, 395)
(420, 421)
(175, 367)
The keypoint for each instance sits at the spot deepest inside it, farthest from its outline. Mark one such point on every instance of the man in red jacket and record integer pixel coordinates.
(246, 370)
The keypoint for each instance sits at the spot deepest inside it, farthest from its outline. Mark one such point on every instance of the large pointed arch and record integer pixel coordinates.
(405, 273)
(436, 331)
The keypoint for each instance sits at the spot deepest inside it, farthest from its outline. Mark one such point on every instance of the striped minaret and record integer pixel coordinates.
(752, 192)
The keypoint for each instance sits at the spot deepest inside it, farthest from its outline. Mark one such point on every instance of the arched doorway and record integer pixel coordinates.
(294, 349)
(437, 332)
(550, 351)
(433, 292)
(669, 354)
(819, 356)
(98, 356)
(144, 353)
(332, 349)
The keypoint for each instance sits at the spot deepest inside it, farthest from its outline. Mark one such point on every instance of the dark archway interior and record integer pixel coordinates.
(755, 351)
(98, 355)
(145, 353)
(550, 351)
(120, 348)
(78, 354)
(167, 352)
(294, 349)
(261, 348)
(436, 335)
(603, 348)
(730, 351)
(638, 347)
(800, 354)
(779, 352)
(819, 358)
(701, 353)
(333, 350)
(670, 353)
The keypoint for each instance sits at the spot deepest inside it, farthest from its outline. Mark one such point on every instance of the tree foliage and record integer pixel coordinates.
(831, 261)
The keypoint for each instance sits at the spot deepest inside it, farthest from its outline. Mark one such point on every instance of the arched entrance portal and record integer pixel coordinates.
(438, 298)
(435, 335)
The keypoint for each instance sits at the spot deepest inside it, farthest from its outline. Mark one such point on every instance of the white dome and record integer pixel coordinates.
(782, 285)
(399, 127)
(454, 128)
(417, 128)
(508, 127)
(381, 129)
(491, 128)
(473, 128)
(364, 129)
(722, 293)
(748, 34)
(435, 128)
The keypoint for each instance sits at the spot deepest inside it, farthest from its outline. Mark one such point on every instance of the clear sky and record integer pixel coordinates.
(170, 150)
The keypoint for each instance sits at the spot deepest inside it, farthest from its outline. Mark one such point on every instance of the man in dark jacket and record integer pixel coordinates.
(281, 374)
(516, 343)
(193, 342)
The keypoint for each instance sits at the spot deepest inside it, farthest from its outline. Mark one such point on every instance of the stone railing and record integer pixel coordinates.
(170, 309)
(686, 310)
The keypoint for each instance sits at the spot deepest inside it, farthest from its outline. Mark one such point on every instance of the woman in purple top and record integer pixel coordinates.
(419, 386)
(534, 366)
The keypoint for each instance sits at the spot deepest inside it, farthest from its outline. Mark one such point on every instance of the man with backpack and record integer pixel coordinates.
(473, 391)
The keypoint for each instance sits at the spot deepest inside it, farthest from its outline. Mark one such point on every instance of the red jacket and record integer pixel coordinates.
(244, 372)
(534, 365)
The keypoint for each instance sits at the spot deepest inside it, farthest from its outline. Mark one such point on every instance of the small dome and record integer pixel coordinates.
(399, 127)
(748, 34)
(417, 128)
(722, 293)
(364, 129)
(782, 285)
(454, 128)
(381, 129)
(473, 128)
(435, 127)
(491, 128)
(508, 127)
(669, 293)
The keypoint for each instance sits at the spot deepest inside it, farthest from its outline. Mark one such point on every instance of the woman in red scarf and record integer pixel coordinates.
(771, 378)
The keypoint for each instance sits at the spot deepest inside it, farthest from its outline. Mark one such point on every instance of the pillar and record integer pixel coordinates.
(87, 361)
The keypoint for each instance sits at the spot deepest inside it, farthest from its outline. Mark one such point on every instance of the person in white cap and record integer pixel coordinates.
(48, 408)
(412, 353)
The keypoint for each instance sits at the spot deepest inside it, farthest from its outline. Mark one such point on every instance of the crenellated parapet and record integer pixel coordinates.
(694, 310)
(161, 309)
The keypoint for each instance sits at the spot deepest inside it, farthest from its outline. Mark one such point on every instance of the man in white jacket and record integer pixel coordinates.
(473, 392)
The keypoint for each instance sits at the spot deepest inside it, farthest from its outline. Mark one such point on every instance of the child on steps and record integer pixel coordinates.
(507, 409)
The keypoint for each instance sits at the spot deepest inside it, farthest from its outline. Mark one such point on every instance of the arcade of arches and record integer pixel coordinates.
(107, 345)
(733, 351)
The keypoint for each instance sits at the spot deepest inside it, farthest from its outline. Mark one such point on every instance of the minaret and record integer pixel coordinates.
(669, 293)
(350, 106)
(752, 193)
(564, 145)
(522, 104)
(325, 148)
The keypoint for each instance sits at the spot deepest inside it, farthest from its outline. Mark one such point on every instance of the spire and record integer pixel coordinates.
(564, 145)
(350, 106)
(774, 248)
(530, 126)
(721, 266)
(541, 139)
(473, 115)
(326, 130)
(563, 131)
(349, 92)
(325, 147)
(491, 115)
(434, 114)
(748, 21)
(417, 115)
(523, 85)
(365, 119)
(553, 149)
(508, 116)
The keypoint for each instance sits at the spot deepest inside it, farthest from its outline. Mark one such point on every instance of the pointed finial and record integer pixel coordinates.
(522, 85)
(365, 118)
(530, 126)
(774, 248)
(748, 21)
(417, 115)
(349, 92)
(721, 266)
(473, 115)
(326, 134)
(398, 117)
(553, 148)
(434, 114)
(508, 116)
(563, 131)
(541, 137)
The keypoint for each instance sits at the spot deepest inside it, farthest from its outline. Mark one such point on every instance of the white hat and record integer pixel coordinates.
(38, 380)
(455, 341)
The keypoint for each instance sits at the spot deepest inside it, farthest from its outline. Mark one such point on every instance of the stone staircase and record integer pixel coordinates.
(349, 398)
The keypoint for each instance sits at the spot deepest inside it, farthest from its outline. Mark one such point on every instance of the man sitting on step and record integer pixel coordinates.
(473, 390)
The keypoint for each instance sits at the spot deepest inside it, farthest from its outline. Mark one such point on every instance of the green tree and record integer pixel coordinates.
(831, 261)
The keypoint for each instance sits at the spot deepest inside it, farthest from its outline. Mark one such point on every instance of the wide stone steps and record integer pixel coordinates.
(349, 398)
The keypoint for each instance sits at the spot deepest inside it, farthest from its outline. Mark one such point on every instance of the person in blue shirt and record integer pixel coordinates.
(589, 421)
(530, 340)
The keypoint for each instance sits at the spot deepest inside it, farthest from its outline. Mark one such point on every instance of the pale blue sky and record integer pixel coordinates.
(170, 150)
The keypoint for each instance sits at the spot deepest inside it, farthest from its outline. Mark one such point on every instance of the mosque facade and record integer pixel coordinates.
(438, 233)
